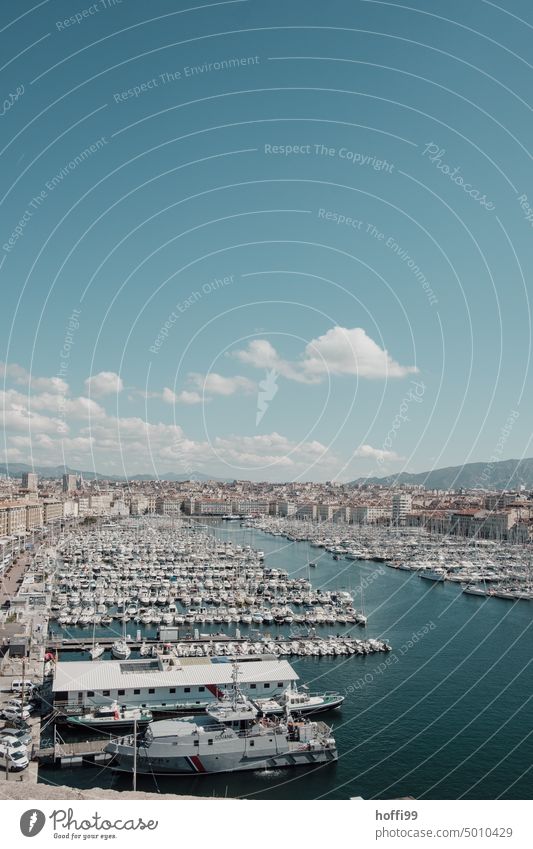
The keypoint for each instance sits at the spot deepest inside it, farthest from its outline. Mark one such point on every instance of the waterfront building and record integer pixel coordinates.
(306, 511)
(52, 511)
(366, 514)
(286, 508)
(250, 506)
(34, 516)
(163, 681)
(168, 506)
(13, 518)
(325, 512)
(342, 514)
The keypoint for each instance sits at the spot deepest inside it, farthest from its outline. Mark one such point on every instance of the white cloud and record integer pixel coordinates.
(50, 427)
(379, 454)
(168, 396)
(261, 354)
(20, 420)
(22, 377)
(186, 397)
(272, 449)
(216, 384)
(343, 351)
(340, 351)
(104, 383)
(76, 408)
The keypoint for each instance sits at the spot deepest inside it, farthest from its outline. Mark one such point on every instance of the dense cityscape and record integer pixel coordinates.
(29, 503)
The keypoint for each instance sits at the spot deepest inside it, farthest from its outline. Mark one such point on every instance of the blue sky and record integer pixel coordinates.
(281, 240)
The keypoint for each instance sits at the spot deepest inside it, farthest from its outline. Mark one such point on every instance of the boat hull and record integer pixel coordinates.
(211, 764)
(302, 710)
(109, 724)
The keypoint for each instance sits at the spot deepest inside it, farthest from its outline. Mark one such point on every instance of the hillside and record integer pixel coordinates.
(506, 474)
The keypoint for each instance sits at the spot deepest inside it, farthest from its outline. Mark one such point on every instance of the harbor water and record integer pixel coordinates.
(446, 714)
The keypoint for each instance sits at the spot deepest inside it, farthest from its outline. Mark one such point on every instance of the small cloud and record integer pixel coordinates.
(19, 375)
(186, 397)
(168, 396)
(104, 383)
(379, 454)
(216, 384)
(344, 351)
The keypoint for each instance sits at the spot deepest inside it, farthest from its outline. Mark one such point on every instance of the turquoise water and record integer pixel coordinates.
(447, 714)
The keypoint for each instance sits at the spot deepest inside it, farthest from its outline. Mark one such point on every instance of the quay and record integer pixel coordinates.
(64, 755)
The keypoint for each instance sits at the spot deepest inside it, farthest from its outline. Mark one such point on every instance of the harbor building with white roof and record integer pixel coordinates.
(164, 683)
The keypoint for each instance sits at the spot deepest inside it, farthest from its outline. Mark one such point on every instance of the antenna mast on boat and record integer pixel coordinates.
(135, 753)
(235, 683)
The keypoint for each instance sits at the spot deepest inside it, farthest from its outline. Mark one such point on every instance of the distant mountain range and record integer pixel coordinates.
(505, 474)
(16, 470)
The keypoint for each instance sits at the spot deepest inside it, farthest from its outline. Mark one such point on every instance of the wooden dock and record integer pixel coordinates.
(85, 753)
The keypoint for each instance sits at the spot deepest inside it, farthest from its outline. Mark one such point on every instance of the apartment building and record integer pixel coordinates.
(367, 514)
(69, 483)
(250, 506)
(52, 511)
(286, 508)
(401, 506)
(30, 481)
(168, 506)
(306, 511)
(138, 505)
(34, 516)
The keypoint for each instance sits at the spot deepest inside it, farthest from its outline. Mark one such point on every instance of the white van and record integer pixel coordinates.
(19, 685)
(15, 761)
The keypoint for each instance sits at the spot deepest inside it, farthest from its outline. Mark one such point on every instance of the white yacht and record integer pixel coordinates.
(299, 702)
(120, 650)
(96, 651)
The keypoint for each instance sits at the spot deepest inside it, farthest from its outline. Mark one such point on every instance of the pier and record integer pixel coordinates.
(85, 753)
(217, 645)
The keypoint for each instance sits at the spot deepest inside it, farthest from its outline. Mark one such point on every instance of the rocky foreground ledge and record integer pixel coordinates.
(47, 792)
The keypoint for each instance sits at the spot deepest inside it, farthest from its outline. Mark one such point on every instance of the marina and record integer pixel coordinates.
(382, 694)
(491, 568)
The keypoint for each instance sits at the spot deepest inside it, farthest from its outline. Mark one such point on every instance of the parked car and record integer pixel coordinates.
(18, 704)
(12, 745)
(17, 724)
(13, 761)
(16, 734)
(12, 713)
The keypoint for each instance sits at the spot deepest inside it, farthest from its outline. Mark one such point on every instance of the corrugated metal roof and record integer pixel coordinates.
(114, 674)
